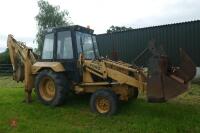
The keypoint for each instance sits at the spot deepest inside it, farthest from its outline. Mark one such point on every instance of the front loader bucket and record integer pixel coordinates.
(165, 81)
(187, 69)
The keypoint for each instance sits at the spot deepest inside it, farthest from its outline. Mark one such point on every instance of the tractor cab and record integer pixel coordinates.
(65, 44)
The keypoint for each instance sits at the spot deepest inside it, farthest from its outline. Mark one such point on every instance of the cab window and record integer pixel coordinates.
(48, 47)
(95, 47)
(64, 45)
(85, 45)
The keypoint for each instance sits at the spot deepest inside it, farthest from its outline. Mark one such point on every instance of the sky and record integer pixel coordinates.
(17, 17)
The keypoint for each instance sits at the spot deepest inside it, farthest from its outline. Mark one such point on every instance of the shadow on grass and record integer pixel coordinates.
(74, 99)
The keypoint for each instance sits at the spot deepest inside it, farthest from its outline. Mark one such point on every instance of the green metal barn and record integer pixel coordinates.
(128, 44)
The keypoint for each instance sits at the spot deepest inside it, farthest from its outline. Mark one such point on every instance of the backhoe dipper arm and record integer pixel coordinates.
(22, 59)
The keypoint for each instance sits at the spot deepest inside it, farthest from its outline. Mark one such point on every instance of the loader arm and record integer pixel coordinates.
(120, 77)
(162, 82)
(22, 59)
(118, 71)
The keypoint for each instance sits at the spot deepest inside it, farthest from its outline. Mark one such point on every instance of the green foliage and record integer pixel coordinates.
(180, 115)
(49, 16)
(5, 57)
(113, 29)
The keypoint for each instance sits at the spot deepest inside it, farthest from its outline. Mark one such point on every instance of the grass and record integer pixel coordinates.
(181, 115)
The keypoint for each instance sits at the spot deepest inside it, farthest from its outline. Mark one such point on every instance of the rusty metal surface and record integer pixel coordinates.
(164, 80)
(187, 68)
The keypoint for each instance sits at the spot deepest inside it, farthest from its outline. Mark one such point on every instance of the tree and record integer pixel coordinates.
(49, 16)
(113, 29)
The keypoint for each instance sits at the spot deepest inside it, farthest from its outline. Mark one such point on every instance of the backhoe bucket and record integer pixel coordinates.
(165, 81)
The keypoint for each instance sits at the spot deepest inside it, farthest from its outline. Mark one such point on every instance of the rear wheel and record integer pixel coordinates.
(104, 102)
(51, 87)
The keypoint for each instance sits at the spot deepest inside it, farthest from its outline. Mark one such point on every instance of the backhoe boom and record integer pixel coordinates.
(22, 59)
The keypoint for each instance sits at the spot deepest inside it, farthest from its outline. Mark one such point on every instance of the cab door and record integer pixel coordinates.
(66, 54)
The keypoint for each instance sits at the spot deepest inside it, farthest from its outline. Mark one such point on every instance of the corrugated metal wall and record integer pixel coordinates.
(129, 44)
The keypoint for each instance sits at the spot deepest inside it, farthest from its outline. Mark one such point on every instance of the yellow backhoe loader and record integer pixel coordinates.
(70, 61)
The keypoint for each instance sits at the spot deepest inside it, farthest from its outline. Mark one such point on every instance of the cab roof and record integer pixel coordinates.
(70, 28)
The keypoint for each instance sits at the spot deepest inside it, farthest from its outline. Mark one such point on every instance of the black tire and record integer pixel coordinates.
(133, 92)
(110, 96)
(61, 86)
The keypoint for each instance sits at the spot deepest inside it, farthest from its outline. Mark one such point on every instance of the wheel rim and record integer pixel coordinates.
(47, 89)
(102, 105)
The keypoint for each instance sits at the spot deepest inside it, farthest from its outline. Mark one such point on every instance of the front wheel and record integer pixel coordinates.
(104, 102)
(51, 87)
